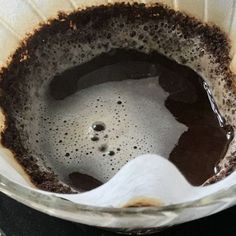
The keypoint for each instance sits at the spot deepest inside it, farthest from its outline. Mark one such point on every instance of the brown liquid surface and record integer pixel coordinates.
(199, 149)
(205, 142)
(83, 182)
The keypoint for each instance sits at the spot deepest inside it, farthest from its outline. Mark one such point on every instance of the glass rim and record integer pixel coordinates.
(29, 195)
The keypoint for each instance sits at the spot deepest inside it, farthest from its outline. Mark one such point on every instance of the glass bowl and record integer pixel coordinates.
(19, 18)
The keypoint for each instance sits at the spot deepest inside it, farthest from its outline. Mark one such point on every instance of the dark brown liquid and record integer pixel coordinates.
(201, 147)
(83, 182)
(204, 143)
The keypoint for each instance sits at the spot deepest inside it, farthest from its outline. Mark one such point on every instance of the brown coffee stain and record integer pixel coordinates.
(143, 202)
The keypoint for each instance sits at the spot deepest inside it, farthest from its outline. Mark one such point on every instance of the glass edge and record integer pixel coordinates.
(28, 195)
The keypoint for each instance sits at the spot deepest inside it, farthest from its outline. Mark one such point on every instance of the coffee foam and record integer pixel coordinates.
(76, 46)
(131, 117)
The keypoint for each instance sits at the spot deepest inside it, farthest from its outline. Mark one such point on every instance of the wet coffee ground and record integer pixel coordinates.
(97, 94)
